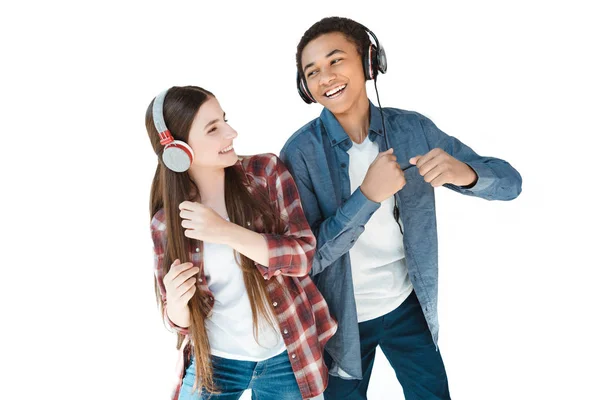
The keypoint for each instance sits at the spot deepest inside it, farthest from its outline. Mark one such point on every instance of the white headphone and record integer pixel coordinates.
(177, 155)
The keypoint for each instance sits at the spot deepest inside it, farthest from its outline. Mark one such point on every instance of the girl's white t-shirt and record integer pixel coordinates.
(229, 328)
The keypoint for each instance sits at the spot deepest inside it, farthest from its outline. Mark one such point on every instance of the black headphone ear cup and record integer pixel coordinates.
(374, 61)
(381, 60)
(367, 63)
(370, 63)
(303, 90)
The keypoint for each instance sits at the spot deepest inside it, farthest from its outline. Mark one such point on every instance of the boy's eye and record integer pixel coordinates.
(337, 60)
(211, 130)
(311, 73)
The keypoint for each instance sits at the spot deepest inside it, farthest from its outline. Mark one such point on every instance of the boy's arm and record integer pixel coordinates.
(496, 179)
(335, 235)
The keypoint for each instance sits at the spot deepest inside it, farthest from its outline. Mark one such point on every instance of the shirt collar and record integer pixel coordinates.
(336, 133)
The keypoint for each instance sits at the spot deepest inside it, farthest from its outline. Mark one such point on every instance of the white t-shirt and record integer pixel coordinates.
(230, 329)
(379, 270)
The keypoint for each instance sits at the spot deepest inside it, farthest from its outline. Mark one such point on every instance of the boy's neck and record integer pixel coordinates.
(355, 121)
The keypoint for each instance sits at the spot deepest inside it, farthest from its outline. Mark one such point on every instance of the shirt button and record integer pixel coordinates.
(343, 165)
(274, 304)
(334, 141)
(197, 249)
(285, 331)
(293, 356)
(200, 280)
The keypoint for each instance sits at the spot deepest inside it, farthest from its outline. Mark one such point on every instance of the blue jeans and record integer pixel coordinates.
(272, 379)
(406, 342)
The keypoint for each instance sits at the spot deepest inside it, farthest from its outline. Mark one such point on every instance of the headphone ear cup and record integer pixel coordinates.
(303, 90)
(178, 156)
(370, 62)
(381, 60)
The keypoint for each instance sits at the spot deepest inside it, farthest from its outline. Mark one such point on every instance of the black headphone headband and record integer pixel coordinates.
(372, 35)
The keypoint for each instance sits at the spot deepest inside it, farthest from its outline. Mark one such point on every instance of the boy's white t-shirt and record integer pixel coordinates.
(379, 271)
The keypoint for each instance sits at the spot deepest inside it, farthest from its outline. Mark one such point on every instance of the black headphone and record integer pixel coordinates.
(373, 59)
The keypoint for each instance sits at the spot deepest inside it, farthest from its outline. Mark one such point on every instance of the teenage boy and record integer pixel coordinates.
(366, 178)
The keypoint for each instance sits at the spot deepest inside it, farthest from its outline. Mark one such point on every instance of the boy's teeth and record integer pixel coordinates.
(334, 91)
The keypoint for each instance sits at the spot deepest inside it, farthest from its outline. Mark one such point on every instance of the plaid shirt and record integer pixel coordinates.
(301, 310)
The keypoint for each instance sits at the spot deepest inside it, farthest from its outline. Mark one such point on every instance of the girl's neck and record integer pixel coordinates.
(211, 184)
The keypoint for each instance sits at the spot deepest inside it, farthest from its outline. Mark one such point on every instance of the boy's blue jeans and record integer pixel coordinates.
(405, 339)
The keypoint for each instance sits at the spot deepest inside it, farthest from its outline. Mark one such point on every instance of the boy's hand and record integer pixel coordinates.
(438, 168)
(384, 177)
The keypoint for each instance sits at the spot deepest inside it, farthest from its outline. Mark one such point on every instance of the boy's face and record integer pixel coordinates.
(333, 71)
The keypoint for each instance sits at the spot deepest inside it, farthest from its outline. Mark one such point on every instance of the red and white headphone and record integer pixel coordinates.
(177, 155)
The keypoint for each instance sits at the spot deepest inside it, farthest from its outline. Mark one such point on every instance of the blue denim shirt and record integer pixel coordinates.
(317, 158)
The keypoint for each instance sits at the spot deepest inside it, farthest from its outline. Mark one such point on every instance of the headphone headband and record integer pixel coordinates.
(379, 53)
(371, 33)
(159, 120)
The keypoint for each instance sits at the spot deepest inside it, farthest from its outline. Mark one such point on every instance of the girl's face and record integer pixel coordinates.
(211, 137)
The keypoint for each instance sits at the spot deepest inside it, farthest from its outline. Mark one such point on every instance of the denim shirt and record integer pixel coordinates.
(317, 158)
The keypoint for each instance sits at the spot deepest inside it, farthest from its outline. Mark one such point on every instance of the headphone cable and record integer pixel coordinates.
(387, 144)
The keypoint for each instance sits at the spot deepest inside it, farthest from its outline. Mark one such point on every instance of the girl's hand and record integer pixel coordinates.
(180, 285)
(203, 223)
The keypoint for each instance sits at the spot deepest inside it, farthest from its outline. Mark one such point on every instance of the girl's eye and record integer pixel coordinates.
(311, 73)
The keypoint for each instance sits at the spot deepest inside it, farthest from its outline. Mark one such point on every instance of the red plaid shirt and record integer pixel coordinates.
(301, 310)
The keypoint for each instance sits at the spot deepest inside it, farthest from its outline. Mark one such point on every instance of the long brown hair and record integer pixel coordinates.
(247, 205)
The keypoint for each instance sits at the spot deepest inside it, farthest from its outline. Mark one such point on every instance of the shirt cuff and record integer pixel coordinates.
(173, 326)
(485, 177)
(359, 208)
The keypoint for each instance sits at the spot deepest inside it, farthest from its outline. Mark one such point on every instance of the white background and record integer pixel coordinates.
(517, 80)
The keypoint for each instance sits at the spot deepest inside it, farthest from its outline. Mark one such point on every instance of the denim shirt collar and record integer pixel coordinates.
(336, 133)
